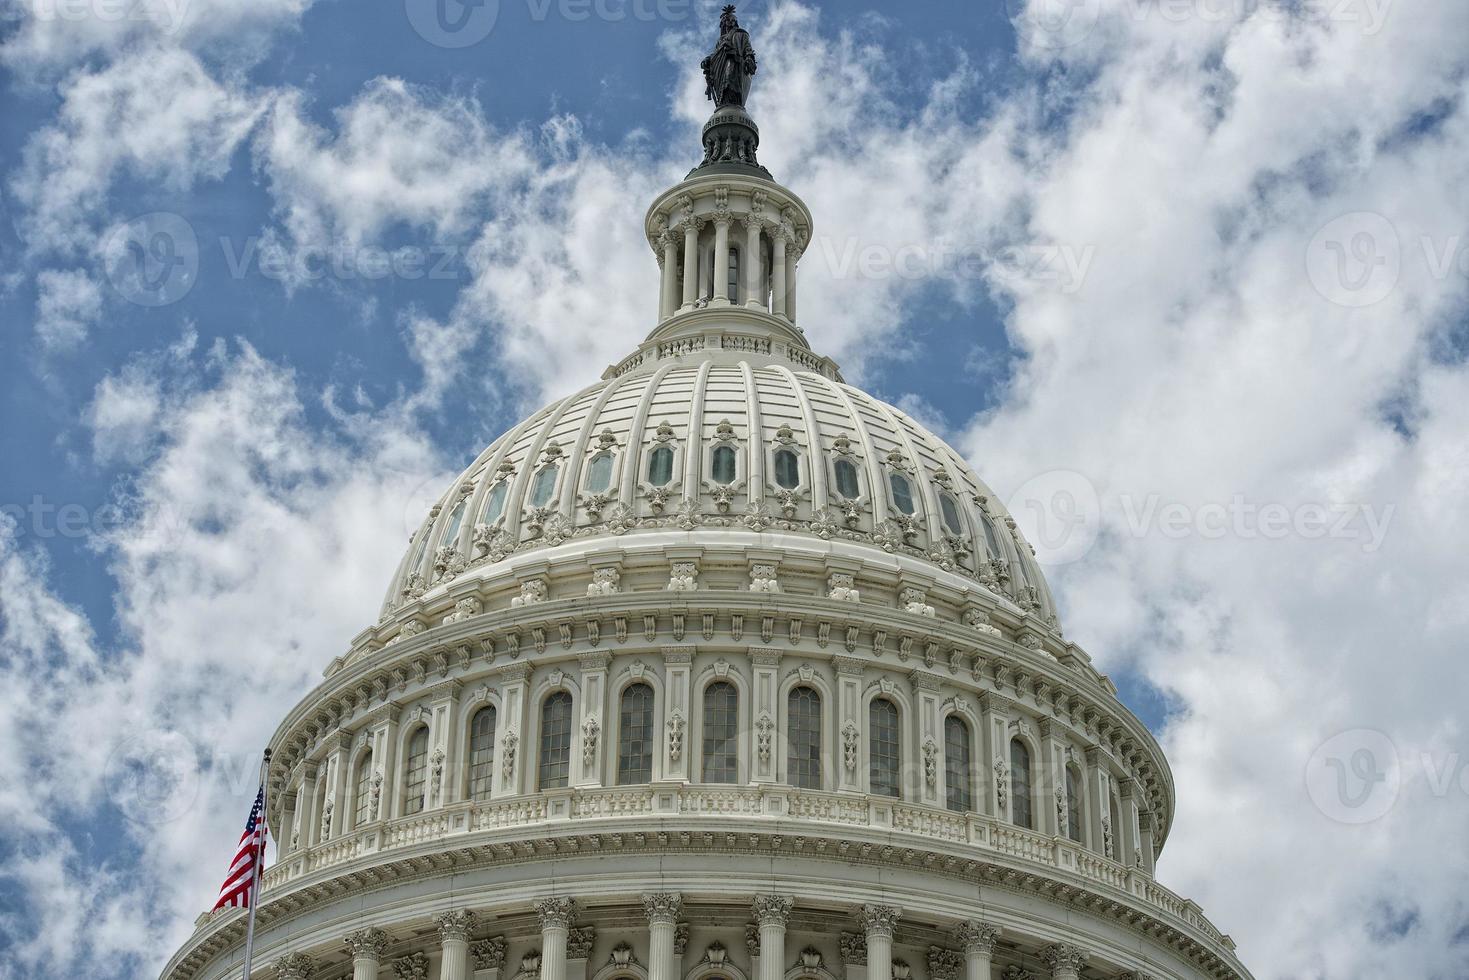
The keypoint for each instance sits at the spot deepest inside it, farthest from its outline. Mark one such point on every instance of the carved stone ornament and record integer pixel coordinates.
(511, 740)
(488, 954)
(979, 621)
(879, 920)
(675, 736)
(605, 581)
(851, 741)
(977, 937)
(1063, 959)
(294, 966)
(622, 956)
(464, 609)
(771, 909)
(556, 913)
(763, 578)
(683, 577)
(663, 907)
(901, 970)
(579, 942)
(931, 763)
(853, 946)
(716, 955)
(455, 925)
(764, 736)
(843, 587)
(915, 601)
(414, 967)
(1002, 785)
(368, 944)
(944, 964)
(590, 729)
(531, 593)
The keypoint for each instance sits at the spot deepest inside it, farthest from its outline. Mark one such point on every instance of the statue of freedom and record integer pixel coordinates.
(729, 69)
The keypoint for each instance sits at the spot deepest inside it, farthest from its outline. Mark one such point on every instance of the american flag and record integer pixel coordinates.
(236, 892)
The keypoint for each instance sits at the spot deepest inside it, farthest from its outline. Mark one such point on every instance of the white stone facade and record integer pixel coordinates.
(719, 669)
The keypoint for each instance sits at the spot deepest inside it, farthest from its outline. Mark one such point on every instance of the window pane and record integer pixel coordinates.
(847, 484)
(721, 733)
(803, 738)
(722, 469)
(364, 789)
(599, 473)
(951, 513)
(883, 746)
(902, 492)
(957, 766)
(482, 753)
(415, 780)
(555, 741)
(1073, 806)
(635, 736)
(660, 466)
(456, 520)
(495, 502)
(1020, 784)
(787, 469)
(545, 483)
(734, 275)
(990, 541)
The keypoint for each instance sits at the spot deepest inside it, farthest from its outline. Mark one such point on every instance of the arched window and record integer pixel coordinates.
(415, 773)
(721, 733)
(660, 466)
(1073, 805)
(555, 741)
(803, 738)
(599, 473)
(787, 469)
(543, 485)
(364, 790)
(991, 540)
(957, 767)
(883, 748)
(722, 465)
(456, 520)
(902, 492)
(495, 502)
(846, 478)
(482, 753)
(1020, 801)
(734, 275)
(635, 736)
(950, 511)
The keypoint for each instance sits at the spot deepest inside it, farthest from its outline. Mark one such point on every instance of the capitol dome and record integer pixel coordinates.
(718, 669)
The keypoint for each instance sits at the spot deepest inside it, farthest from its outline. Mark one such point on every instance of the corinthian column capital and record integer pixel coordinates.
(294, 966)
(977, 937)
(1064, 960)
(455, 924)
(556, 912)
(771, 910)
(663, 907)
(367, 943)
(878, 920)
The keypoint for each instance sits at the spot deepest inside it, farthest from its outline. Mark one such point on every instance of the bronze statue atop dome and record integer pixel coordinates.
(729, 69)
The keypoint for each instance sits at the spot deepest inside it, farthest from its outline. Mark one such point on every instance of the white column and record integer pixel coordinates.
(877, 923)
(690, 262)
(1127, 834)
(721, 261)
(978, 939)
(752, 269)
(792, 257)
(778, 270)
(662, 909)
(668, 301)
(555, 915)
(1145, 841)
(367, 947)
(340, 759)
(1064, 961)
(306, 807)
(454, 929)
(771, 914)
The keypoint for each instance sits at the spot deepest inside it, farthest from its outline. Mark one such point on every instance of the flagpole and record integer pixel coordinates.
(259, 860)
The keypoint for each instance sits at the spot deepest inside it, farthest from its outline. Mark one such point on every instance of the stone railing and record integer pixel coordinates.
(734, 343)
(848, 816)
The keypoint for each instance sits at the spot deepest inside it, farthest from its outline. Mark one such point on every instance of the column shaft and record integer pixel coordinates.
(753, 268)
(669, 302)
(553, 952)
(878, 922)
(791, 259)
(977, 965)
(455, 963)
(778, 282)
(721, 261)
(690, 264)
(662, 909)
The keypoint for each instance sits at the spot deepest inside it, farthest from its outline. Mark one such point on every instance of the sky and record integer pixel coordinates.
(1185, 280)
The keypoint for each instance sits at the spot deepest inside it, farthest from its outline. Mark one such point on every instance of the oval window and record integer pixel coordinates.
(660, 466)
(599, 473)
(846, 475)
(902, 492)
(495, 502)
(951, 513)
(545, 483)
(722, 465)
(787, 469)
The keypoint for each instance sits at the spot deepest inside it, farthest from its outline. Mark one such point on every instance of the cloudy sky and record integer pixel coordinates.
(1185, 279)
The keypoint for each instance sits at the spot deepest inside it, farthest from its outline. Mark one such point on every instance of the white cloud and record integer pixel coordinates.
(66, 304)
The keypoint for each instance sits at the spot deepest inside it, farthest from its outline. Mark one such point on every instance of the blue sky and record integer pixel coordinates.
(1219, 269)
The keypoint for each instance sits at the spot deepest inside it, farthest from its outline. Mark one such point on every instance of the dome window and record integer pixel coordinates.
(722, 465)
(991, 540)
(456, 520)
(482, 753)
(635, 736)
(1073, 804)
(415, 775)
(958, 793)
(846, 479)
(721, 733)
(660, 466)
(544, 485)
(950, 511)
(883, 748)
(555, 768)
(1020, 801)
(495, 502)
(364, 790)
(803, 738)
(902, 493)
(599, 473)
(787, 469)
